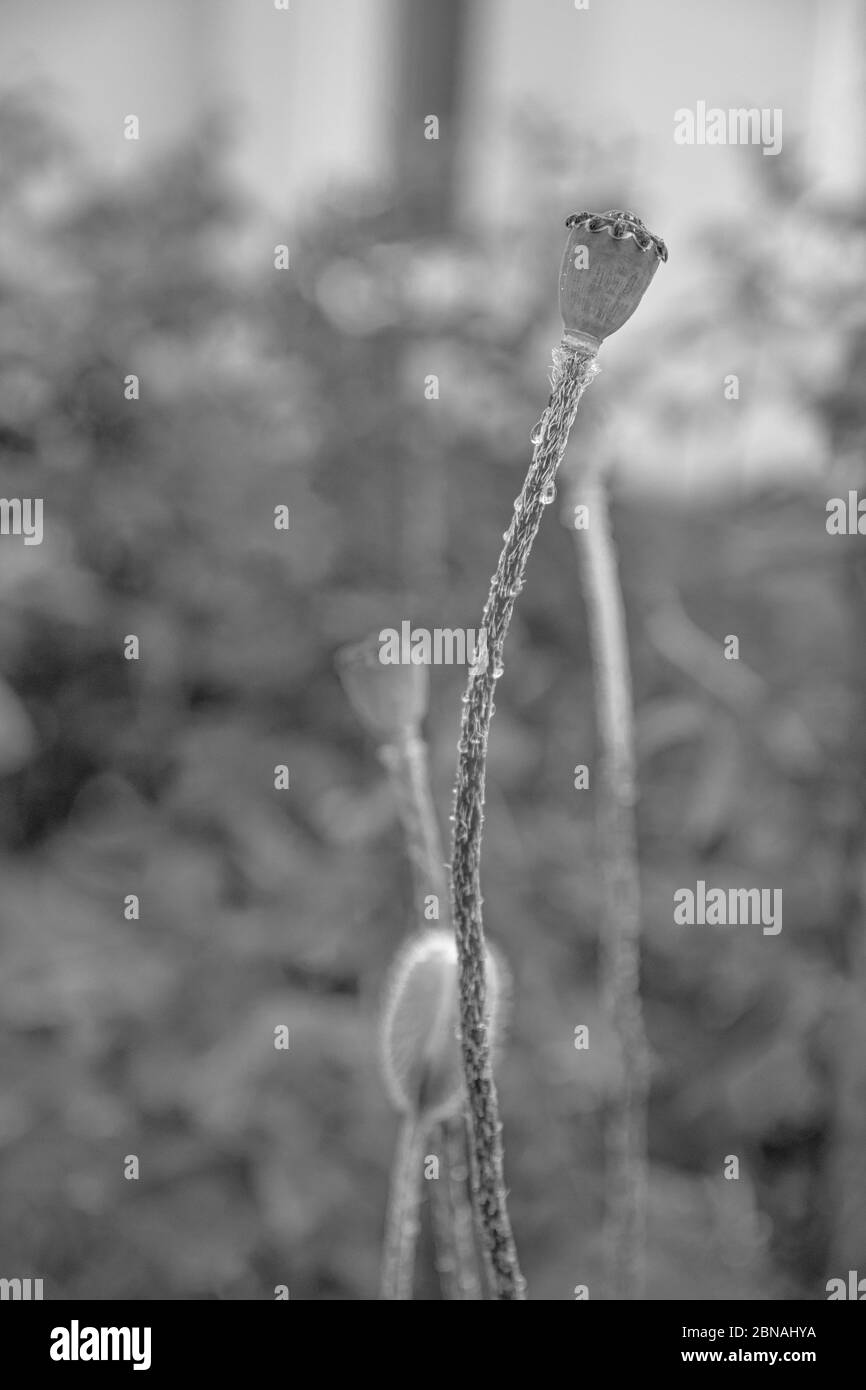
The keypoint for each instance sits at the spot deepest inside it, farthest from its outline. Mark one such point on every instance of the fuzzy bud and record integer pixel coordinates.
(421, 1059)
(609, 260)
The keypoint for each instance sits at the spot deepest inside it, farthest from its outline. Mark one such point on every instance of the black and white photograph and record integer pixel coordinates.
(432, 667)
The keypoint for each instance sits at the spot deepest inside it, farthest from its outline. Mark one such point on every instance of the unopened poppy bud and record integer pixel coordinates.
(421, 1058)
(389, 699)
(609, 260)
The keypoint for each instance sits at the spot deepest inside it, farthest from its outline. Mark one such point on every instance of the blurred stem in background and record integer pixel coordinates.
(452, 1216)
(391, 702)
(401, 1225)
(846, 1175)
(626, 1124)
(408, 768)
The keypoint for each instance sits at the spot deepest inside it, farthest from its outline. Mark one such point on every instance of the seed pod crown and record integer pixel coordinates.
(609, 260)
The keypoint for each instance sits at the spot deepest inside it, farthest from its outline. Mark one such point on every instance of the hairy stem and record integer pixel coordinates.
(626, 1179)
(573, 369)
(407, 764)
(401, 1227)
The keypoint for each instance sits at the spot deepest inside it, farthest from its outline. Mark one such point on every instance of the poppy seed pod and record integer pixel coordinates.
(421, 1059)
(389, 700)
(609, 260)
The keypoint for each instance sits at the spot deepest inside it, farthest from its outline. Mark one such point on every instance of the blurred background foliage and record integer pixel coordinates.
(259, 907)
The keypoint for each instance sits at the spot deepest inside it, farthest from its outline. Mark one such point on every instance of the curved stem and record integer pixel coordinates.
(401, 1227)
(626, 1178)
(573, 369)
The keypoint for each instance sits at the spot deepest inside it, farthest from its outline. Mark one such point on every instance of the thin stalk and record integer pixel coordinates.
(407, 764)
(401, 1227)
(573, 369)
(845, 1160)
(451, 1213)
(626, 1144)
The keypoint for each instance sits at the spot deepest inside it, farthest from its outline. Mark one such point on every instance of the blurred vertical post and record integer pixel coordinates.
(426, 141)
(836, 168)
(430, 45)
